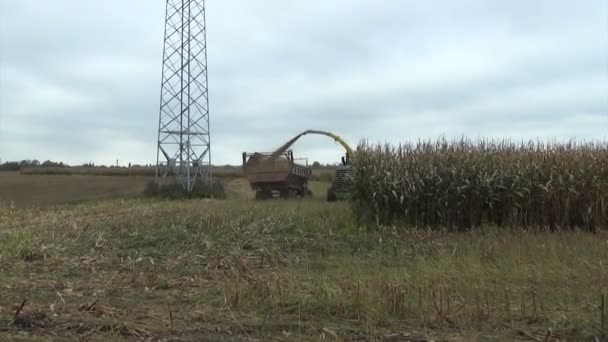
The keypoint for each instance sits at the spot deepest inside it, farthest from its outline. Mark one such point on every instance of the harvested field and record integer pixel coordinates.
(45, 190)
(318, 174)
(133, 268)
(286, 270)
(221, 172)
(40, 190)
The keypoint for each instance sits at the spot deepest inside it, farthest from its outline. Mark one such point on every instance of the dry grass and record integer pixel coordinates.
(285, 270)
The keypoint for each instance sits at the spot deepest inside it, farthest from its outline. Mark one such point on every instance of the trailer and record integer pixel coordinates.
(273, 176)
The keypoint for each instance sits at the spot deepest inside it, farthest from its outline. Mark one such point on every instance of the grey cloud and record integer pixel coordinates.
(81, 80)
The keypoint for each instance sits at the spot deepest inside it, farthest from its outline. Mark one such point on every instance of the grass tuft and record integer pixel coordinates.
(175, 191)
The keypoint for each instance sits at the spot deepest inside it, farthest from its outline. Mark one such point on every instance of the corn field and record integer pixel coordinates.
(462, 184)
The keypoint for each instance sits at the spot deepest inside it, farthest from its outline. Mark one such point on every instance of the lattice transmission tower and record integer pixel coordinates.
(184, 145)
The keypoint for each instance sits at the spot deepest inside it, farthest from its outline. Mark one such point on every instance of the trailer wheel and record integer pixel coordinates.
(303, 193)
(262, 195)
(285, 194)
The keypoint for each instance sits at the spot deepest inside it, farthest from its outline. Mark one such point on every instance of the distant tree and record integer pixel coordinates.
(18, 165)
(49, 163)
(10, 166)
(316, 164)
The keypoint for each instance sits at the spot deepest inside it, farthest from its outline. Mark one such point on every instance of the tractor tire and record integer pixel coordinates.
(331, 196)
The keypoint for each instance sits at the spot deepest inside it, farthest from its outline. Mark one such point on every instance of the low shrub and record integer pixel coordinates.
(176, 191)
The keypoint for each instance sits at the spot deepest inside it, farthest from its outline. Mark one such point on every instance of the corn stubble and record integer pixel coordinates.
(462, 184)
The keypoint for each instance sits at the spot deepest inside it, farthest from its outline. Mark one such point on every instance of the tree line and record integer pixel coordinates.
(24, 164)
(18, 165)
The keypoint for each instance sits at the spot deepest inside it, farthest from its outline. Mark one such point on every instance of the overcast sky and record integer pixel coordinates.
(80, 80)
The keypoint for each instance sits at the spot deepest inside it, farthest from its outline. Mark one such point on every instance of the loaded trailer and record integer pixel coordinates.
(272, 176)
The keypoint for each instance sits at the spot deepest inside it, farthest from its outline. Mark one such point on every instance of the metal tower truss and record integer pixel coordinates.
(183, 134)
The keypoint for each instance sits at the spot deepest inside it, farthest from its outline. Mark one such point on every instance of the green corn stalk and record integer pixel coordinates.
(461, 184)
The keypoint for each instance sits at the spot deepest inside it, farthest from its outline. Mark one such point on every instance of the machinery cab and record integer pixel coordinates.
(339, 188)
(345, 159)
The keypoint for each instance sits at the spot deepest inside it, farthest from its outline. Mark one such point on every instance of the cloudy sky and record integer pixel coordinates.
(80, 80)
